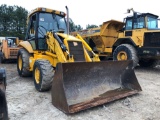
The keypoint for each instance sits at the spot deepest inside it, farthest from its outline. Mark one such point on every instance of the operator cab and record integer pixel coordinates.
(139, 21)
(40, 22)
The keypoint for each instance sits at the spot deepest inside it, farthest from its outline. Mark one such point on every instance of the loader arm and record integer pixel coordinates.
(95, 56)
(55, 48)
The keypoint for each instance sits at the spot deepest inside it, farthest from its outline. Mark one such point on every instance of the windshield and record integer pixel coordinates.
(139, 23)
(152, 22)
(51, 22)
(10, 42)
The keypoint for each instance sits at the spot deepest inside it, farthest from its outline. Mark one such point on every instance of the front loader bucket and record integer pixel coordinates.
(3, 102)
(81, 85)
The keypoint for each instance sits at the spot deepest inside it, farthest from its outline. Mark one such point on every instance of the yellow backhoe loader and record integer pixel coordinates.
(61, 62)
(3, 101)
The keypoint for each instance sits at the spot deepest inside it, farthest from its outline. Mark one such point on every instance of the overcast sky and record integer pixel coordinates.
(85, 12)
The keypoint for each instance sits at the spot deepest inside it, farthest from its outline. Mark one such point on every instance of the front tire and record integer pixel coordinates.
(23, 63)
(43, 74)
(126, 52)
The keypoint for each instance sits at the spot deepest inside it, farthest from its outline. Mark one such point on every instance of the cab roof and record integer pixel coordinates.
(42, 9)
(144, 14)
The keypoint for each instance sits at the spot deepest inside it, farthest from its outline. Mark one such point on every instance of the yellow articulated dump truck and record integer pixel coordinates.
(60, 62)
(8, 48)
(3, 101)
(137, 39)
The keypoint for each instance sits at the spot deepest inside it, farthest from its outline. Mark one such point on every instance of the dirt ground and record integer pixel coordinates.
(25, 103)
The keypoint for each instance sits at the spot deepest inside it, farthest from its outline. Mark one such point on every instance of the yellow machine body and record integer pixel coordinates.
(138, 34)
(69, 67)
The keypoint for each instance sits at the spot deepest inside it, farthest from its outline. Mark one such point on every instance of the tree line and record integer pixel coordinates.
(74, 27)
(13, 21)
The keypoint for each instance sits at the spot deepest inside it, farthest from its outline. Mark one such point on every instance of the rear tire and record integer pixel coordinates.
(43, 74)
(23, 63)
(126, 52)
(148, 63)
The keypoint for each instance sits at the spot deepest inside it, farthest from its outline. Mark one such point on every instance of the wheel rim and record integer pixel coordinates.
(20, 63)
(37, 75)
(122, 55)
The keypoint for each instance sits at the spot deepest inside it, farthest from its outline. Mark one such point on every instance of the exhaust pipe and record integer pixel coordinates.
(67, 20)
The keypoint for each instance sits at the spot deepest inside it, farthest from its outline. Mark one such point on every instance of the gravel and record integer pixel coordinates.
(25, 103)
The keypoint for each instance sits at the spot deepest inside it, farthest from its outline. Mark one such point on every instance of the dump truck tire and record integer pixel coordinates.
(43, 73)
(23, 63)
(148, 63)
(126, 52)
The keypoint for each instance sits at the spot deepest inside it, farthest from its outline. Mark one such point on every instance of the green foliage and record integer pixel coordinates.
(74, 27)
(91, 26)
(13, 21)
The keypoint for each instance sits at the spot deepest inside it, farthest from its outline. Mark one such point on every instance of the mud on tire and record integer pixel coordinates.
(43, 74)
(23, 63)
